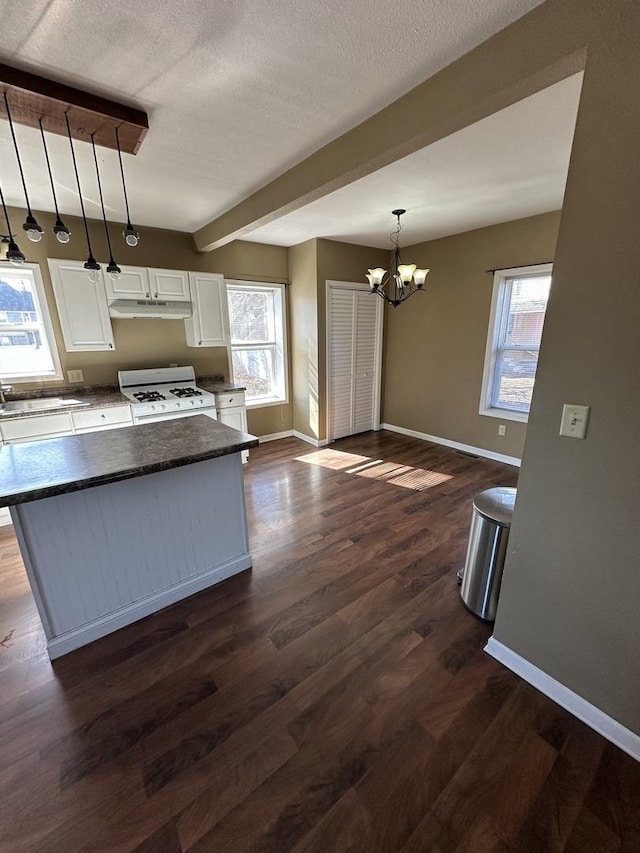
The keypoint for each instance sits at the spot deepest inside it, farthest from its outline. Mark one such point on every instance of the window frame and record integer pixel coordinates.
(280, 344)
(495, 338)
(42, 306)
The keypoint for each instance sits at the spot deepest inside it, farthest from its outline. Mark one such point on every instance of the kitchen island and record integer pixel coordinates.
(115, 525)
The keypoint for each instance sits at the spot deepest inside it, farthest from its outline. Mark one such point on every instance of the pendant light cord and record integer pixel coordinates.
(15, 145)
(104, 217)
(46, 157)
(6, 215)
(124, 186)
(75, 169)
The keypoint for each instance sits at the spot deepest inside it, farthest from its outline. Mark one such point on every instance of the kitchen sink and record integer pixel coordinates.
(17, 407)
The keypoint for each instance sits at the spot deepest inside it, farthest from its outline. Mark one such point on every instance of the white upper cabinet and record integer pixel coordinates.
(172, 285)
(82, 307)
(132, 284)
(208, 325)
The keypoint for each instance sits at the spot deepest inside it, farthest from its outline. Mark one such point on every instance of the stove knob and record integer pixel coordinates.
(193, 402)
(163, 406)
(153, 408)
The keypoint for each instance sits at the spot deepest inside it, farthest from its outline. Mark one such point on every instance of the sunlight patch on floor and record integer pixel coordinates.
(334, 459)
(405, 476)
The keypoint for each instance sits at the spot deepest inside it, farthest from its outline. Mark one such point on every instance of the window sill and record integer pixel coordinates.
(264, 403)
(506, 415)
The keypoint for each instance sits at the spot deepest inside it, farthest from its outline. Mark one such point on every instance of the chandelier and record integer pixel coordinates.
(401, 281)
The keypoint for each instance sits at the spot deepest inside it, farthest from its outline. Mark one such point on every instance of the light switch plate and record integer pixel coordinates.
(574, 420)
(502, 429)
(75, 376)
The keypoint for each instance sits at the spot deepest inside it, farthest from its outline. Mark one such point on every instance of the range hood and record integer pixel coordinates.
(150, 309)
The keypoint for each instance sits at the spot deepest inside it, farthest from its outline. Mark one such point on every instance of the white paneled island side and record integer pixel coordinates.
(113, 526)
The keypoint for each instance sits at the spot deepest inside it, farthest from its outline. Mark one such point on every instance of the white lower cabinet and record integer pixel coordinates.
(32, 428)
(232, 411)
(93, 420)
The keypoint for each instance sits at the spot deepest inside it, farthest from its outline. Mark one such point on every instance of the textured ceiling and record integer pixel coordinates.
(237, 92)
(510, 165)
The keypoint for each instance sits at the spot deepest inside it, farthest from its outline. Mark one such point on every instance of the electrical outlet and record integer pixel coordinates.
(173, 364)
(75, 376)
(502, 429)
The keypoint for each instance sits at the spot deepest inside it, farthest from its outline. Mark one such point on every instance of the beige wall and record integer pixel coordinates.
(435, 344)
(147, 343)
(571, 589)
(304, 337)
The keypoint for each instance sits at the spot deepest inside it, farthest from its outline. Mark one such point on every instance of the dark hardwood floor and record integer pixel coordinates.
(336, 698)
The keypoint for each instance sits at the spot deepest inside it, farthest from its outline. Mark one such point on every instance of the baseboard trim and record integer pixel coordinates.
(71, 640)
(313, 441)
(570, 701)
(274, 436)
(456, 445)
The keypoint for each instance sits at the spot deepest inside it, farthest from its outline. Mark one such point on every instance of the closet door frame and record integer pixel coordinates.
(331, 285)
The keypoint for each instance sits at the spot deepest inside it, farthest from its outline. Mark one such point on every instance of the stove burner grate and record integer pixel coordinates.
(185, 392)
(148, 396)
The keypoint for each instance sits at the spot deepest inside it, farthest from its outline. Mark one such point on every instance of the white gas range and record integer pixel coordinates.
(164, 393)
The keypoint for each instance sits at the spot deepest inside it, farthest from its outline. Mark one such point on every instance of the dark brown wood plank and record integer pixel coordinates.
(32, 97)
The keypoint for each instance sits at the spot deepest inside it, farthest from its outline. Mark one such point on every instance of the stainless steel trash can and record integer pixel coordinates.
(488, 536)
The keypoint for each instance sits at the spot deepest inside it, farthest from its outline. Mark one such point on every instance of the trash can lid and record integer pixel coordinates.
(496, 504)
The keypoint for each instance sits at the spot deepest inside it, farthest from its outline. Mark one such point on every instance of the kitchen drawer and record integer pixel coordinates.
(42, 426)
(107, 417)
(233, 399)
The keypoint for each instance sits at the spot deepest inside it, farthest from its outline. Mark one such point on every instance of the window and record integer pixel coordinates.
(27, 345)
(258, 341)
(515, 329)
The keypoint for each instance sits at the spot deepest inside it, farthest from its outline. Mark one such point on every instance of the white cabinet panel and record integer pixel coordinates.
(82, 307)
(34, 428)
(132, 284)
(233, 412)
(169, 284)
(209, 324)
(107, 418)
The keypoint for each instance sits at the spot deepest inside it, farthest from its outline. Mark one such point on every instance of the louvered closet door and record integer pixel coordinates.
(353, 352)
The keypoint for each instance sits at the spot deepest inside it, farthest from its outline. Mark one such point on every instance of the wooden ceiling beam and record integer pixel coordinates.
(32, 97)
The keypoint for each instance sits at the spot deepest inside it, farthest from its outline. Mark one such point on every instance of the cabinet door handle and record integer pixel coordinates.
(110, 346)
(103, 416)
(199, 343)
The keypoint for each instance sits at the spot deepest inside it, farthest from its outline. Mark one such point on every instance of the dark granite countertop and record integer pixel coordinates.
(91, 397)
(217, 386)
(42, 469)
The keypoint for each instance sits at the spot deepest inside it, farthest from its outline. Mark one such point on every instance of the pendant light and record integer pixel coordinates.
(13, 253)
(113, 269)
(62, 233)
(34, 231)
(403, 280)
(90, 264)
(131, 236)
